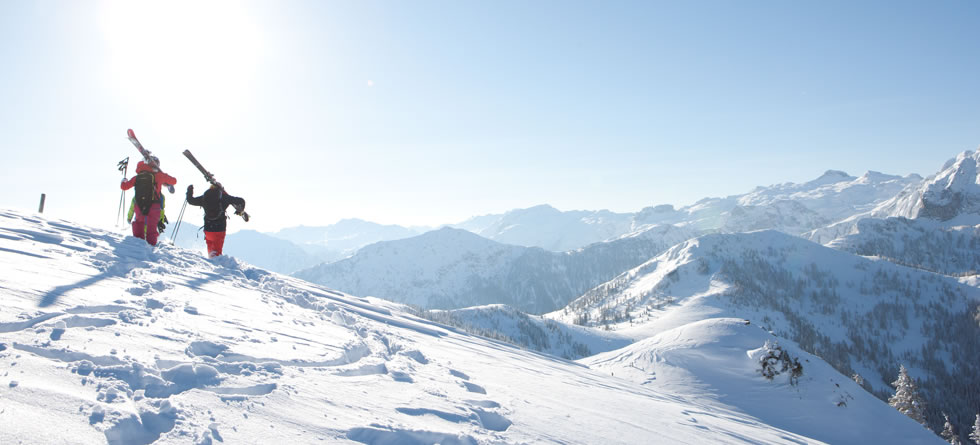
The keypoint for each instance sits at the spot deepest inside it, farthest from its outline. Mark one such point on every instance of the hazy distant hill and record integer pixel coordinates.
(453, 268)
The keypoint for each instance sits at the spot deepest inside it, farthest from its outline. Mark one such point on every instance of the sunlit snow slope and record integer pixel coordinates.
(105, 339)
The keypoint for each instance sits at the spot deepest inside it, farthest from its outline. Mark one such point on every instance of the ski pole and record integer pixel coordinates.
(180, 217)
(123, 165)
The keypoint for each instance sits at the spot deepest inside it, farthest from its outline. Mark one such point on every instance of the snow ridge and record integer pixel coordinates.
(861, 315)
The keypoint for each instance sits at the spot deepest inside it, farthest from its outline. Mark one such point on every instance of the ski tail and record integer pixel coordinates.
(147, 156)
(207, 175)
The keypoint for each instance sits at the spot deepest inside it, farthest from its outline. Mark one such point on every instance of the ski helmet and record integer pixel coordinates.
(156, 161)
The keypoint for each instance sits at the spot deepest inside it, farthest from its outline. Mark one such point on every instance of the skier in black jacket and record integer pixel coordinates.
(215, 201)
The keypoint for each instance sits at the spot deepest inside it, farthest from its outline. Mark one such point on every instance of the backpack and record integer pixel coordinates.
(213, 210)
(145, 191)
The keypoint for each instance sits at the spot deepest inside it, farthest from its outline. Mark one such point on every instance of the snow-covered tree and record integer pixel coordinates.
(776, 360)
(949, 433)
(907, 399)
(975, 435)
(858, 379)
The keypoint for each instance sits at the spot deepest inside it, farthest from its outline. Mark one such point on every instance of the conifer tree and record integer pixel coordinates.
(907, 399)
(858, 379)
(949, 433)
(975, 435)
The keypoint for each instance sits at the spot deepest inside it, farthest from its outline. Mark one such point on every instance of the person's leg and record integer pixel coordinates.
(151, 224)
(211, 239)
(139, 224)
(219, 242)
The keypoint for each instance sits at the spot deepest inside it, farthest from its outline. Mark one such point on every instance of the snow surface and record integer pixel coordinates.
(865, 315)
(104, 339)
(718, 359)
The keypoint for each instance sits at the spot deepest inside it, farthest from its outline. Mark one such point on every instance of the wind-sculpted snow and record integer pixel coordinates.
(161, 345)
(860, 315)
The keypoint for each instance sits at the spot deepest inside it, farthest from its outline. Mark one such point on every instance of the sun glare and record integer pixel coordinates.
(188, 63)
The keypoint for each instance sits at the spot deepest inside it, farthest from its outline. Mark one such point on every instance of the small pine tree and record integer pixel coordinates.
(858, 379)
(975, 435)
(949, 433)
(906, 399)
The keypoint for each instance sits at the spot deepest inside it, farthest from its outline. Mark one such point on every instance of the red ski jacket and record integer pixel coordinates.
(159, 177)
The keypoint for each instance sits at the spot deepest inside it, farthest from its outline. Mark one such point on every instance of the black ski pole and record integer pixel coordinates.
(123, 165)
(180, 217)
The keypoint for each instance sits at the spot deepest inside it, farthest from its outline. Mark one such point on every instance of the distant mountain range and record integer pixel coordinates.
(453, 268)
(791, 208)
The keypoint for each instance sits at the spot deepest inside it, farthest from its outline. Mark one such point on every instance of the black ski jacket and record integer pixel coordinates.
(215, 201)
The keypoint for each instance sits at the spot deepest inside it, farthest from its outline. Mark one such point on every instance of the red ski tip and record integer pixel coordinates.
(130, 133)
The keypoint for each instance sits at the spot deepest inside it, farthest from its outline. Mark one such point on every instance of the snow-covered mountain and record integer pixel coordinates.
(920, 243)
(951, 196)
(835, 195)
(346, 236)
(296, 248)
(783, 215)
(275, 254)
(260, 249)
(453, 268)
(549, 228)
(791, 208)
(861, 315)
(931, 225)
(107, 340)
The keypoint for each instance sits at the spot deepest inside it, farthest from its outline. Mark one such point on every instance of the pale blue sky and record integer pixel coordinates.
(428, 112)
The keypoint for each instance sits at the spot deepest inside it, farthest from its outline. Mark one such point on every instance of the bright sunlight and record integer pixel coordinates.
(189, 64)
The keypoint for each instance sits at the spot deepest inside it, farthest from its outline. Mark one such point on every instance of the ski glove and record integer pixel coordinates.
(161, 226)
(170, 187)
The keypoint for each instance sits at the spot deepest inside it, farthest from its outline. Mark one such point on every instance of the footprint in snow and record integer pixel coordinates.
(486, 419)
(474, 388)
(380, 435)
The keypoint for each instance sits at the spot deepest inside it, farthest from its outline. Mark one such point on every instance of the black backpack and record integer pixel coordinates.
(213, 210)
(146, 191)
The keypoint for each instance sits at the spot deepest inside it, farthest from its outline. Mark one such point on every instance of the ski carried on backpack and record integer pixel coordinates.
(147, 156)
(210, 178)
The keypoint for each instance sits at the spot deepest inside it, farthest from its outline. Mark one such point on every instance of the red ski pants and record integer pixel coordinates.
(145, 226)
(215, 241)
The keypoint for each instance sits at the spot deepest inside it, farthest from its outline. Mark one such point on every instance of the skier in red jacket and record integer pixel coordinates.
(148, 181)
